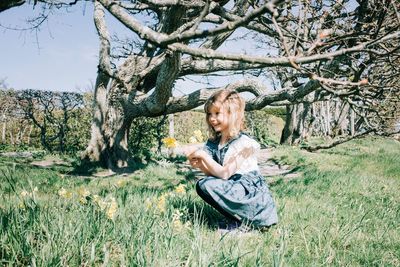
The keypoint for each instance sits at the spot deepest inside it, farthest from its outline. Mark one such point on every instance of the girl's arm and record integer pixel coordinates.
(196, 162)
(229, 168)
(199, 164)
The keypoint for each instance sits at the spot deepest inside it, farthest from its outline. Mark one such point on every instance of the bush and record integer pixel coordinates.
(145, 137)
(266, 128)
(187, 122)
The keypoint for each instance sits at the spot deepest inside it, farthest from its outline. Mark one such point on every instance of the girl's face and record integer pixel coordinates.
(218, 118)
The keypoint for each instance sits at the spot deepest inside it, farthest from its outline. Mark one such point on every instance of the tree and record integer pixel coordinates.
(324, 47)
(310, 50)
(50, 112)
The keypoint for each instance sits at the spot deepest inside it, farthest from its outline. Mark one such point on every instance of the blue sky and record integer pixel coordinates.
(61, 56)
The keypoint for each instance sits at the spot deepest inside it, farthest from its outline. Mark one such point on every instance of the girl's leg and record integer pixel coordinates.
(207, 198)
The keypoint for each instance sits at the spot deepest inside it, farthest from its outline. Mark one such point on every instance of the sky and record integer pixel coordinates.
(63, 54)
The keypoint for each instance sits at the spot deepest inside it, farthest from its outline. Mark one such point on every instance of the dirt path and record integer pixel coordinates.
(268, 167)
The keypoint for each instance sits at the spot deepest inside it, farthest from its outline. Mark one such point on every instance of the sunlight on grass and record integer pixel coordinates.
(342, 211)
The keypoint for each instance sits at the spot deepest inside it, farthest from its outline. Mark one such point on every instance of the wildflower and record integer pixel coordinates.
(112, 209)
(180, 189)
(83, 192)
(177, 223)
(82, 200)
(64, 193)
(192, 140)
(148, 203)
(187, 225)
(21, 205)
(25, 193)
(161, 204)
(177, 214)
(170, 194)
(99, 202)
(170, 142)
(198, 135)
(120, 183)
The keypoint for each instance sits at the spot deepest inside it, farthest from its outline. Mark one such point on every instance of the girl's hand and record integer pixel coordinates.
(199, 154)
(195, 162)
(188, 150)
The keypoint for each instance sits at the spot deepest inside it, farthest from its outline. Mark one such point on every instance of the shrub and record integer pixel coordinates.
(145, 137)
(266, 128)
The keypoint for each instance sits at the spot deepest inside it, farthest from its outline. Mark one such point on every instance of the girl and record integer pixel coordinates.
(234, 185)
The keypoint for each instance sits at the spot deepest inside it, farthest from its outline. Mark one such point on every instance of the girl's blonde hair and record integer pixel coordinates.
(234, 105)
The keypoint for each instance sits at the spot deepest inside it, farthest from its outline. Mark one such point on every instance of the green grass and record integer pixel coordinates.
(343, 211)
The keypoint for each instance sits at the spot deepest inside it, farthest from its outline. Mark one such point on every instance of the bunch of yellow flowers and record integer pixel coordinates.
(160, 203)
(110, 206)
(83, 194)
(170, 142)
(25, 193)
(180, 189)
(177, 223)
(197, 137)
(64, 193)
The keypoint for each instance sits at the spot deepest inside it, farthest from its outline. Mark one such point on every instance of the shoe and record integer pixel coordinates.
(228, 225)
(236, 229)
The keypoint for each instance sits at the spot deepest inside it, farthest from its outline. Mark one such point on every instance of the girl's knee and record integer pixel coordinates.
(200, 188)
(203, 185)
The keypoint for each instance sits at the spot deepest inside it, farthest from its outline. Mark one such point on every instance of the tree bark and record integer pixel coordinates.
(7, 4)
(289, 133)
(352, 123)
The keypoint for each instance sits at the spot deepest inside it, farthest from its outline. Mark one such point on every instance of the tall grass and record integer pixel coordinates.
(343, 211)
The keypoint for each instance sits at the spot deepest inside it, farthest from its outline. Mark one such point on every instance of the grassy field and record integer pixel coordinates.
(344, 210)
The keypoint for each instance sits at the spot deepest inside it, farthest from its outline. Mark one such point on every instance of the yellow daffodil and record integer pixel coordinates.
(161, 204)
(180, 189)
(120, 183)
(99, 202)
(177, 214)
(83, 192)
(177, 223)
(148, 203)
(112, 209)
(198, 135)
(170, 142)
(192, 140)
(64, 193)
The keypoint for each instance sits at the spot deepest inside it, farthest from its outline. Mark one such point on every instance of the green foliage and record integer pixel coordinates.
(342, 211)
(262, 124)
(64, 119)
(265, 127)
(145, 137)
(276, 111)
(78, 134)
(187, 122)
